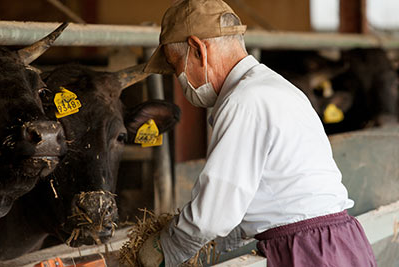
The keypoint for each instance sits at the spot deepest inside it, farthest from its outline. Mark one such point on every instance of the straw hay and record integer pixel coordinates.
(88, 224)
(151, 224)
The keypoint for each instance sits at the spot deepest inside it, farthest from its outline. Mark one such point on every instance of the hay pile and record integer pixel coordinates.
(151, 224)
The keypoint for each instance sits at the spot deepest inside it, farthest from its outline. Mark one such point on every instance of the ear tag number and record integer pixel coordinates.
(66, 103)
(332, 114)
(148, 135)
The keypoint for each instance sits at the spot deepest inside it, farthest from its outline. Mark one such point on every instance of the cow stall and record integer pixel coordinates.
(376, 208)
(161, 189)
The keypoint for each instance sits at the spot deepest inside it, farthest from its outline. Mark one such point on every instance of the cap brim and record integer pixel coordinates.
(158, 63)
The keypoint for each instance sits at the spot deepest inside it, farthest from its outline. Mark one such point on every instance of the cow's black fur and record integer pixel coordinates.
(364, 83)
(371, 83)
(19, 104)
(95, 137)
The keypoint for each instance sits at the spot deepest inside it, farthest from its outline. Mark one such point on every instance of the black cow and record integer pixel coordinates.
(79, 207)
(30, 144)
(307, 70)
(367, 92)
(362, 85)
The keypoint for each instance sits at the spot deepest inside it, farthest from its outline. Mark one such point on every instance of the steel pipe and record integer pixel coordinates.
(309, 40)
(163, 180)
(25, 33)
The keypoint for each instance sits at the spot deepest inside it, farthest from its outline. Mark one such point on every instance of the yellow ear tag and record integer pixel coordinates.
(66, 103)
(332, 114)
(148, 135)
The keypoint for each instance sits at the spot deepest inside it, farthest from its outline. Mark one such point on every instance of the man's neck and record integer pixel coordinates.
(227, 63)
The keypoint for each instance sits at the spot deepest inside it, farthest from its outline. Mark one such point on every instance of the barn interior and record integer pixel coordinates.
(344, 55)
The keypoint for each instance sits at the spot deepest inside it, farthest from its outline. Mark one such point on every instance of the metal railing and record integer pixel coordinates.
(25, 33)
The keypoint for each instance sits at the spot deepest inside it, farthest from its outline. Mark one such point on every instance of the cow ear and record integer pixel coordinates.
(165, 115)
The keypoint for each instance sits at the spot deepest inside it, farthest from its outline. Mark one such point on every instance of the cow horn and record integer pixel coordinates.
(32, 52)
(131, 75)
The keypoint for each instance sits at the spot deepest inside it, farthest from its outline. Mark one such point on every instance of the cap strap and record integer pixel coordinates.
(232, 30)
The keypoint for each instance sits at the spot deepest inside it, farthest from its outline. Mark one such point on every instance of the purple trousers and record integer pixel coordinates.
(333, 240)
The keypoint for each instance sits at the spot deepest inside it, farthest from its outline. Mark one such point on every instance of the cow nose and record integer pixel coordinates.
(97, 207)
(31, 133)
(46, 136)
(94, 213)
(97, 203)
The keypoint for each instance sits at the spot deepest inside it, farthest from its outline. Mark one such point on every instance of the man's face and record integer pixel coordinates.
(174, 60)
(195, 71)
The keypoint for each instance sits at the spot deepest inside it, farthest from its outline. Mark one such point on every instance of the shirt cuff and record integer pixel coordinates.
(177, 246)
(234, 240)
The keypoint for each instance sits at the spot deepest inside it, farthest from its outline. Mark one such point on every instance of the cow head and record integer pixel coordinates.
(85, 180)
(366, 93)
(30, 145)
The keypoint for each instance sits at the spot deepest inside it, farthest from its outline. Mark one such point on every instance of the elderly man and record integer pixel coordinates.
(269, 172)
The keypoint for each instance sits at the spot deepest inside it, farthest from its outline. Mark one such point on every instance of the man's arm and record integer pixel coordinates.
(225, 187)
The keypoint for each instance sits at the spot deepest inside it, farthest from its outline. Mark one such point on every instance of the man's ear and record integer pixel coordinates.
(165, 115)
(198, 47)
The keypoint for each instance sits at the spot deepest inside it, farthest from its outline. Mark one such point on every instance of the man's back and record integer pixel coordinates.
(299, 178)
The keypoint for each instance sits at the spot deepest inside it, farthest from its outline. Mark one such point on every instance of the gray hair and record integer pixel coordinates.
(226, 20)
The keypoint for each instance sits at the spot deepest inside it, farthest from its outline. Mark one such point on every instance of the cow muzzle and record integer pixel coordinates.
(45, 144)
(93, 219)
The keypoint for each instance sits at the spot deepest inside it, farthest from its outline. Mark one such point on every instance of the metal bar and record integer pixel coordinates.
(303, 41)
(163, 189)
(25, 33)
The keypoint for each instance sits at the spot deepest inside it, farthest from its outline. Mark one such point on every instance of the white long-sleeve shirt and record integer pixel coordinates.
(269, 163)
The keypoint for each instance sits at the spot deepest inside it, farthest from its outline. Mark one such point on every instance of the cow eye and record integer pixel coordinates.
(44, 92)
(122, 138)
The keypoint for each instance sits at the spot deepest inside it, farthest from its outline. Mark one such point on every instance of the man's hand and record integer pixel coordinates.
(150, 254)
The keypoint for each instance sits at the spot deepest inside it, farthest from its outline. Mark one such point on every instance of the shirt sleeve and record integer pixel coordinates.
(225, 187)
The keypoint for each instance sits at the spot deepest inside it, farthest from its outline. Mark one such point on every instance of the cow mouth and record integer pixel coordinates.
(92, 219)
(39, 165)
(86, 236)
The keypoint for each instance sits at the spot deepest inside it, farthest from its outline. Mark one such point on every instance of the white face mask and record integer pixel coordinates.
(204, 96)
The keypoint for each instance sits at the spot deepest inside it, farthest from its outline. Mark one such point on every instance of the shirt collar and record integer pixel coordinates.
(231, 80)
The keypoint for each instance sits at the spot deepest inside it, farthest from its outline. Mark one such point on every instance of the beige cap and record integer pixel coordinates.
(190, 17)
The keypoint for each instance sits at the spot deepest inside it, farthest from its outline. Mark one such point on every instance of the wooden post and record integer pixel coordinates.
(163, 191)
(353, 17)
